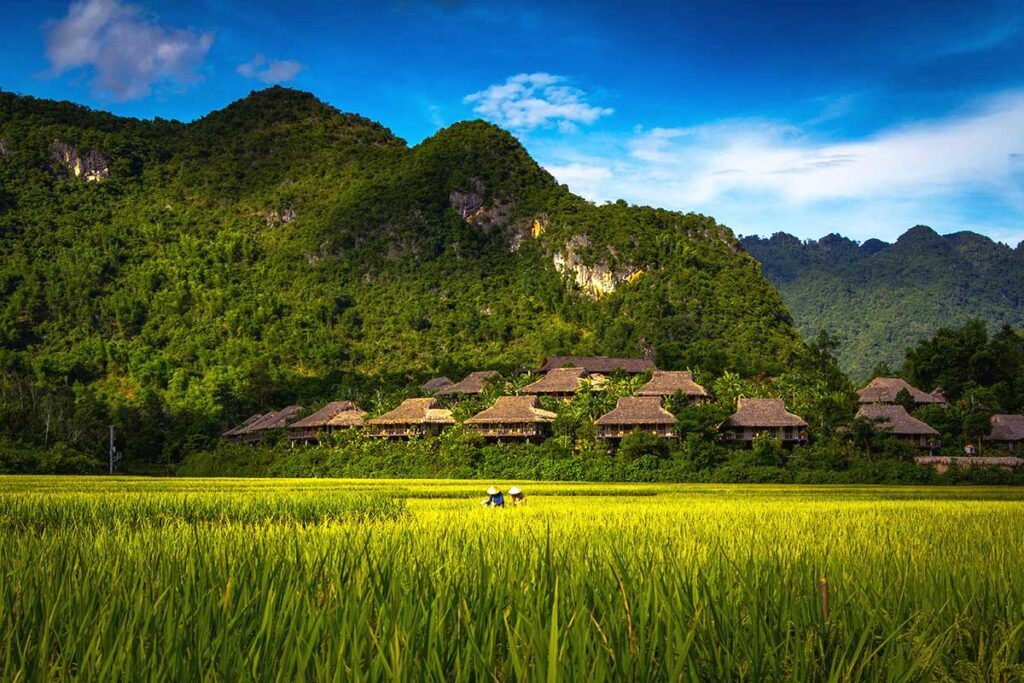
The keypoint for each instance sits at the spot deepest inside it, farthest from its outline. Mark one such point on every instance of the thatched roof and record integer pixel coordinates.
(435, 384)
(895, 419)
(334, 414)
(234, 431)
(278, 419)
(1007, 428)
(885, 389)
(763, 412)
(601, 364)
(415, 411)
(472, 384)
(558, 381)
(668, 382)
(637, 410)
(510, 409)
(967, 461)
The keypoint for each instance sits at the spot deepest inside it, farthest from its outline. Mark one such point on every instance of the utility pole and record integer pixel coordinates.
(112, 453)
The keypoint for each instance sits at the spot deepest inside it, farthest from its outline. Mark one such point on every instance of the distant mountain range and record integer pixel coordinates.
(880, 298)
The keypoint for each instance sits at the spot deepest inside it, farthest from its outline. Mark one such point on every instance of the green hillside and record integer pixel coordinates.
(879, 299)
(186, 275)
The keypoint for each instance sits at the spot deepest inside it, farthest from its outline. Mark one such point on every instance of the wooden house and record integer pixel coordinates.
(435, 384)
(559, 383)
(636, 413)
(414, 417)
(472, 385)
(333, 416)
(274, 420)
(756, 416)
(672, 382)
(513, 418)
(1007, 432)
(886, 389)
(602, 365)
(233, 433)
(895, 420)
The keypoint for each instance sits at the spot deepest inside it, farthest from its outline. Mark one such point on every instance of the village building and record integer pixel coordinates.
(559, 383)
(472, 385)
(886, 389)
(233, 433)
(755, 416)
(672, 382)
(513, 418)
(602, 365)
(895, 420)
(254, 431)
(1007, 432)
(435, 384)
(333, 416)
(636, 413)
(414, 417)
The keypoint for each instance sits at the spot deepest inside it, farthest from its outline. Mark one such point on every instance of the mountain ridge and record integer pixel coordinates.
(279, 250)
(880, 298)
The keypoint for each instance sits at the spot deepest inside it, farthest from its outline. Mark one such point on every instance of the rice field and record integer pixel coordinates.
(326, 580)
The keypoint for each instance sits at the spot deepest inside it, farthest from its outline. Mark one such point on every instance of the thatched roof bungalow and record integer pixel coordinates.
(599, 364)
(435, 384)
(895, 420)
(414, 417)
(513, 417)
(885, 390)
(560, 383)
(1007, 431)
(333, 416)
(278, 419)
(756, 416)
(671, 382)
(636, 413)
(232, 434)
(471, 385)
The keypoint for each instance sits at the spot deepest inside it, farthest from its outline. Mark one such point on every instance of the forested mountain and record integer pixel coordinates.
(173, 278)
(878, 299)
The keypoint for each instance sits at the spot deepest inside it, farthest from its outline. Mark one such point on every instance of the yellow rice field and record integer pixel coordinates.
(334, 580)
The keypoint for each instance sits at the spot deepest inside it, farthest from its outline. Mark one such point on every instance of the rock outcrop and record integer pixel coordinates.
(596, 280)
(90, 166)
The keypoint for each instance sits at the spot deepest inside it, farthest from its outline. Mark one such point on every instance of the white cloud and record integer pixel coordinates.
(527, 101)
(762, 176)
(270, 70)
(586, 181)
(128, 52)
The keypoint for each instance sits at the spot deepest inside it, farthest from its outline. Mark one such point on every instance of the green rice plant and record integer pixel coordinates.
(237, 580)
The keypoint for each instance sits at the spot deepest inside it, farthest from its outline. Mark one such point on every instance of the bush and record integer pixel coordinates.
(637, 445)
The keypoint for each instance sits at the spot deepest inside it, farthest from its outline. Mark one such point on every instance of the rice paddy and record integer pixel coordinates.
(328, 580)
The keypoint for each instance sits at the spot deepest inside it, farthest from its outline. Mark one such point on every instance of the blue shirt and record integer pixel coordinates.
(497, 500)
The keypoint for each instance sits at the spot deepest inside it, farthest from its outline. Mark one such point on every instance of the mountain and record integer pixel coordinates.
(879, 299)
(279, 250)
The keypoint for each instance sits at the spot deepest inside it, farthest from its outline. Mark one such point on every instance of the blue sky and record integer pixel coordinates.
(859, 118)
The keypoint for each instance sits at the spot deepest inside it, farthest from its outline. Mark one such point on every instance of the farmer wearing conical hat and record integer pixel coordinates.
(517, 496)
(494, 499)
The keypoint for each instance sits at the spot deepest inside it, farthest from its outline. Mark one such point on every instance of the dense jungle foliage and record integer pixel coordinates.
(879, 299)
(171, 279)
